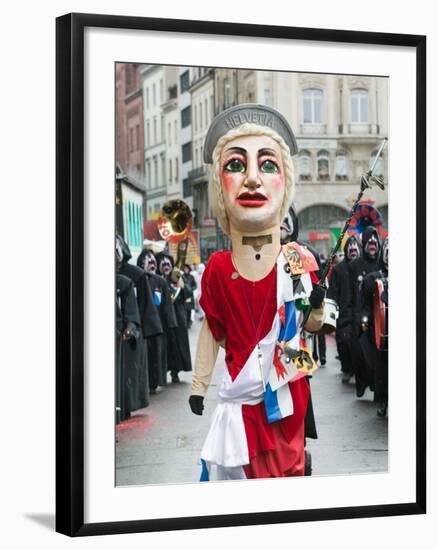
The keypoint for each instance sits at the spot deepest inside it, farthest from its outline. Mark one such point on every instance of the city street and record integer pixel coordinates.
(162, 443)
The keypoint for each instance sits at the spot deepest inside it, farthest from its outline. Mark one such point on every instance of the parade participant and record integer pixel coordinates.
(178, 344)
(149, 316)
(157, 345)
(339, 290)
(189, 283)
(254, 300)
(197, 275)
(128, 330)
(359, 268)
(373, 355)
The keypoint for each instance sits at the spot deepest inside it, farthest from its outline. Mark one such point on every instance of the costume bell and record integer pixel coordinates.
(255, 299)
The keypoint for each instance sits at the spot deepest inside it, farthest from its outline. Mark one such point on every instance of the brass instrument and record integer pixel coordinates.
(174, 225)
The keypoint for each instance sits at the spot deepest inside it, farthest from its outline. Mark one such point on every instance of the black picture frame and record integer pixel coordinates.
(70, 273)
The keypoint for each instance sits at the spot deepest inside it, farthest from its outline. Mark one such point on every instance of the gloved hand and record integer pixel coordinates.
(317, 296)
(196, 404)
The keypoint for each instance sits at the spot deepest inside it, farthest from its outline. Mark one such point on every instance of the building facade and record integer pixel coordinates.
(339, 122)
(202, 104)
(185, 111)
(129, 152)
(153, 82)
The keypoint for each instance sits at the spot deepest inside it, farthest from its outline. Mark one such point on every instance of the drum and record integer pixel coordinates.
(380, 316)
(330, 314)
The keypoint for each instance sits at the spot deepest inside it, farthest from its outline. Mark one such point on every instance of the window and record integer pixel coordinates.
(148, 133)
(304, 165)
(226, 93)
(169, 133)
(155, 136)
(148, 174)
(162, 128)
(161, 91)
(147, 98)
(211, 102)
(268, 96)
(359, 106)
(201, 155)
(187, 152)
(323, 165)
(312, 106)
(155, 171)
(176, 169)
(175, 132)
(137, 132)
(170, 171)
(185, 81)
(195, 118)
(186, 188)
(341, 165)
(131, 140)
(162, 170)
(206, 112)
(186, 116)
(154, 93)
(196, 154)
(200, 116)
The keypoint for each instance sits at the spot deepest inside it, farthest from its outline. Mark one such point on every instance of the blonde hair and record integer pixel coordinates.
(215, 191)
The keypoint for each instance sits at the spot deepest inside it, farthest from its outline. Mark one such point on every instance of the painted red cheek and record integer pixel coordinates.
(228, 179)
(278, 182)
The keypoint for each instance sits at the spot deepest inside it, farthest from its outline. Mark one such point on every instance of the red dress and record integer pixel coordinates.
(242, 312)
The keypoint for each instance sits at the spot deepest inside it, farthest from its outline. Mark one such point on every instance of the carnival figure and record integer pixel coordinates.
(255, 299)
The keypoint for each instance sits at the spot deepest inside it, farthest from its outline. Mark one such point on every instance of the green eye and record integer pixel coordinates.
(235, 166)
(269, 167)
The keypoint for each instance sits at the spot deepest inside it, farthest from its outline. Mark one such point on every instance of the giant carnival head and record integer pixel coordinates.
(252, 176)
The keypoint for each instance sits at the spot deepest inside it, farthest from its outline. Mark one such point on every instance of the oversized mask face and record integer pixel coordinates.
(253, 182)
(352, 250)
(150, 265)
(372, 246)
(385, 254)
(165, 266)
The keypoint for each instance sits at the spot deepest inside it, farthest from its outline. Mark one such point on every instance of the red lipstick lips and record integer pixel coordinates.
(252, 200)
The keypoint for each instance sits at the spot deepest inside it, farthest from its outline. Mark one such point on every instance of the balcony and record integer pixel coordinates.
(198, 175)
(312, 129)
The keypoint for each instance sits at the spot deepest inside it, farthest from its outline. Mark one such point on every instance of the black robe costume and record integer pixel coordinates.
(178, 345)
(127, 359)
(359, 268)
(157, 345)
(379, 359)
(150, 322)
(340, 291)
(190, 284)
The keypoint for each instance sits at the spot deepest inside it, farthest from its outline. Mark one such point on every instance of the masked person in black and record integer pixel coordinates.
(157, 345)
(178, 345)
(359, 268)
(339, 290)
(149, 317)
(128, 332)
(189, 283)
(373, 355)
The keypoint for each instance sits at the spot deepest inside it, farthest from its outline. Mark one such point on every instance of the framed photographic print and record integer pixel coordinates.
(225, 198)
